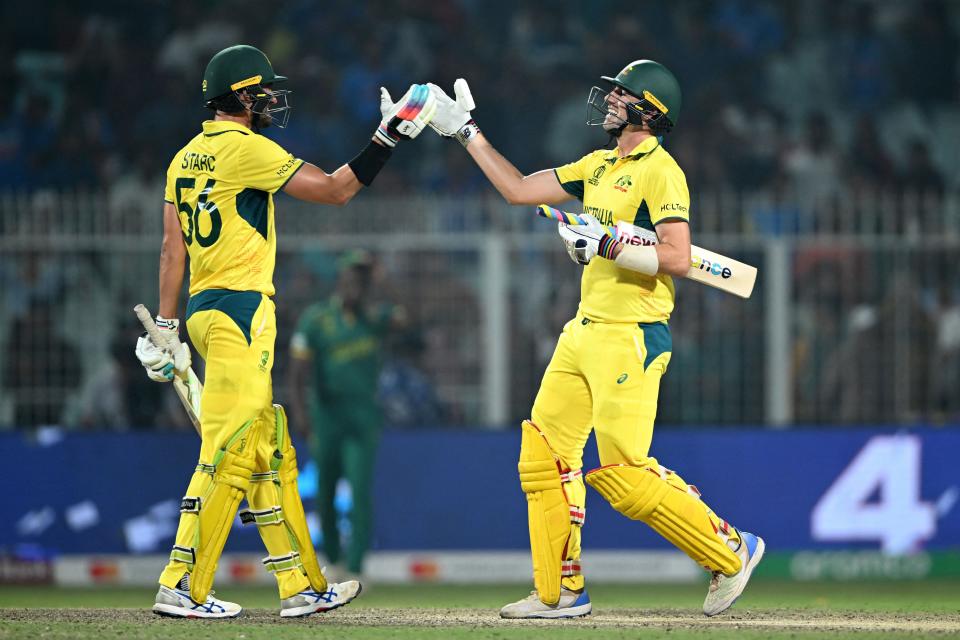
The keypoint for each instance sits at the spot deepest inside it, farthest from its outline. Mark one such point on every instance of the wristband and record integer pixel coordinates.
(467, 133)
(607, 246)
(168, 324)
(368, 162)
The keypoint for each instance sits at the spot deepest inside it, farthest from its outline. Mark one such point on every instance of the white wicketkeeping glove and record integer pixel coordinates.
(164, 361)
(583, 241)
(452, 115)
(406, 118)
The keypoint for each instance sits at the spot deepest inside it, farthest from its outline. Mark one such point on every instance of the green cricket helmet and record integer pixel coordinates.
(245, 70)
(657, 91)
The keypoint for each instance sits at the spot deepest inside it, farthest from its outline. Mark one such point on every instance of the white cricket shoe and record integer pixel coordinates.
(724, 590)
(309, 601)
(177, 603)
(572, 604)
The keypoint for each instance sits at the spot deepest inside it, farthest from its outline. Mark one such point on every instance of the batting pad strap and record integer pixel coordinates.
(187, 555)
(270, 515)
(265, 476)
(282, 563)
(190, 504)
(570, 568)
(206, 468)
(577, 515)
(570, 476)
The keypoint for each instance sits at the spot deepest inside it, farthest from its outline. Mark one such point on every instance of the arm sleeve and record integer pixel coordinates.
(265, 165)
(668, 197)
(571, 176)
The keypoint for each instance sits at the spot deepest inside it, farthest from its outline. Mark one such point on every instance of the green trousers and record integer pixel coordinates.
(346, 435)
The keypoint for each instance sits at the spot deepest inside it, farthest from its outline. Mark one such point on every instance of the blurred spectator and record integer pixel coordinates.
(405, 393)
(41, 368)
(929, 54)
(945, 364)
(118, 395)
(815, 165)
(870, 167)
(864, 59)
(919, 175)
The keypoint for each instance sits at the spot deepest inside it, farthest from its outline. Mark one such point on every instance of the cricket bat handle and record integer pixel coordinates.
(186, 384)
(146, 319)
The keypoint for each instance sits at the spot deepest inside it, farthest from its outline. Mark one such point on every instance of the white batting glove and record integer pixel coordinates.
(453, 115)
(585, 242)
(163, 362)
(406, 118)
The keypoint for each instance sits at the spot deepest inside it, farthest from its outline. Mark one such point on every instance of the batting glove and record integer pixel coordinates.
(405, 119)
(585, 242)
(453, 115)
(164, 361)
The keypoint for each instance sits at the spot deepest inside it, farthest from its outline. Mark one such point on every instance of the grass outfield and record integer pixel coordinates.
(769, 609)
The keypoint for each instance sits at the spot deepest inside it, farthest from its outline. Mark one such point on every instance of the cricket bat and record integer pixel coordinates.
(188, 385)
(707, 267)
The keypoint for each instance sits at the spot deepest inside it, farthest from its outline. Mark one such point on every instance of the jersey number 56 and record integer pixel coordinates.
(193, 215)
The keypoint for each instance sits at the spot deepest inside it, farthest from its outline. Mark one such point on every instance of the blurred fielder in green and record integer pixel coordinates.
(338, 345)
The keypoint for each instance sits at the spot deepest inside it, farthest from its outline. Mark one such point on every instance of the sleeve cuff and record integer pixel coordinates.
(574, 187)
(292, 173)
(672, 219)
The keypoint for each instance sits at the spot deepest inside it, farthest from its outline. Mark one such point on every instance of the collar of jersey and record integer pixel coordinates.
(639, 151)
(219, 126)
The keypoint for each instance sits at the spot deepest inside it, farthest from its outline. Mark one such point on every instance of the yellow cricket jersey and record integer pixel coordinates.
(645, 187)
(222, 184)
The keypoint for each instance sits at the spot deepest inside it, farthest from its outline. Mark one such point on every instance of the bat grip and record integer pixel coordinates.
(162, 341)
(151, 327)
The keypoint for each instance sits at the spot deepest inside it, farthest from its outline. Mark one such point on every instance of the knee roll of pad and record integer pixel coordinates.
(640, 493)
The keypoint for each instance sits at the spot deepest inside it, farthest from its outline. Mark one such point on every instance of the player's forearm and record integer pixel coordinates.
(346, 185)
(674, 260)
(501, 173)
(172, 268)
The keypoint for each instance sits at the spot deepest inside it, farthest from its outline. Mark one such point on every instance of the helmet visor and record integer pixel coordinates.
(613, 109)
(273, 108)
(607, 109)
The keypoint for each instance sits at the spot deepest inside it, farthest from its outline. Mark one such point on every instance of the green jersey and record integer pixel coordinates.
(346, 348)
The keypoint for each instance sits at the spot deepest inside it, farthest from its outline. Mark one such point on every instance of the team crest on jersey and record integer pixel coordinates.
(623, 183)
(264, 358)
(597, 174)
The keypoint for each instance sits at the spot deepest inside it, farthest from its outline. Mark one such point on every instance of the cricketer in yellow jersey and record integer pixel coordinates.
(219, 210)
(605, 372)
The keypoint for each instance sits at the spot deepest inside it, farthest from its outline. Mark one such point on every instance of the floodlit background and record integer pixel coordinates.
(821, 143)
